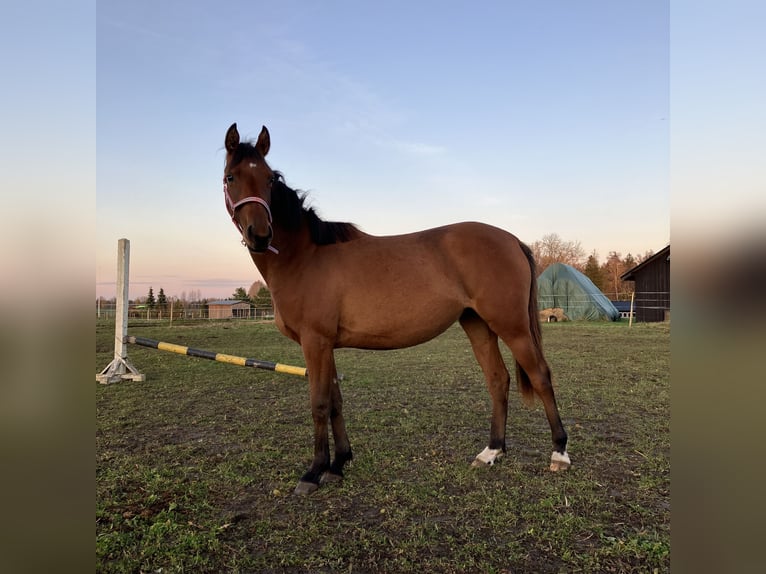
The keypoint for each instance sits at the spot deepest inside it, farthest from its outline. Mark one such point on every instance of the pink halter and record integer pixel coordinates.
(232, 207)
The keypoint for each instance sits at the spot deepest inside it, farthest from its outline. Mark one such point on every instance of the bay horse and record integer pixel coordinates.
(335, 286)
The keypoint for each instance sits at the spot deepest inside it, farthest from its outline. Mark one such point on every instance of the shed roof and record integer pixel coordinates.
(228, 302)
(629, 275)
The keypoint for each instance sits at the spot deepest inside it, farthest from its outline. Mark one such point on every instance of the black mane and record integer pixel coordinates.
(287, 208)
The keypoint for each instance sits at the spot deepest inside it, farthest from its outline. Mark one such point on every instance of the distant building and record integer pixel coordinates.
(623, 307)
(228, 309)
(652, 287)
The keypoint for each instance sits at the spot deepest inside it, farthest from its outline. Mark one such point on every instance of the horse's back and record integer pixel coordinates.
(467, 239)
(476, 254)
(454, 252)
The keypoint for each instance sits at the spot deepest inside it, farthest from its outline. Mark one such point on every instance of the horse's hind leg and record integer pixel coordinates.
(485, 348)
(534, 372)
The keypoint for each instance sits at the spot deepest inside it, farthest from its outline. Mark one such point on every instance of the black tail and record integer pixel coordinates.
(522, 378)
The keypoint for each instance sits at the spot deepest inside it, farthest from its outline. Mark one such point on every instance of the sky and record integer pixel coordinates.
(537, 117)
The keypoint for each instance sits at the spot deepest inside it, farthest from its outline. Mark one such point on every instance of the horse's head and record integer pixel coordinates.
(247, 183)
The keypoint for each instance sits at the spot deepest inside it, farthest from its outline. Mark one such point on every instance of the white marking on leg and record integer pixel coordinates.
(560, 461)
(489, 455)
(560, 457)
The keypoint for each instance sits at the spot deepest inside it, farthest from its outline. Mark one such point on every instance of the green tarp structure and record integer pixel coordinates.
(564, 287)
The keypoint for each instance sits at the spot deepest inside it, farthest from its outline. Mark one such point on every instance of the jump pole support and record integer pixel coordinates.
(120, 368)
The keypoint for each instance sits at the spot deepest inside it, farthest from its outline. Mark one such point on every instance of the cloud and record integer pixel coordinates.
(418, 148)
(345, 101)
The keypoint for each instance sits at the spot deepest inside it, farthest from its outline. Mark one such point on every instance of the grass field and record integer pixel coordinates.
(196, 466)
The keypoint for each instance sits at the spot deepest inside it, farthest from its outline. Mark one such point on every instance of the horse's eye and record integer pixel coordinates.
(229, 178)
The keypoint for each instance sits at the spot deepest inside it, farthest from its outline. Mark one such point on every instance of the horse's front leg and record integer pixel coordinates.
(343, 452)
(321, 369)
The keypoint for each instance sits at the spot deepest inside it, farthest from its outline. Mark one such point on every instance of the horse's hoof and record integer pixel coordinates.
(331, 477)
(559, 461)
(487, 457)
(305, 488)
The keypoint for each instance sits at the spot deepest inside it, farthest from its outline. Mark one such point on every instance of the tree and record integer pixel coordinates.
(629, 262)
(150, 301)
(240, 294)
(255, 288)
(162, 301)
(593, 271)
(263, 298)
(645, 256)
(613, 268)
(552, 249)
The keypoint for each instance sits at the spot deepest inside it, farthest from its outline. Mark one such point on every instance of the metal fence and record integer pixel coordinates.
(655, 305)
(106, 311)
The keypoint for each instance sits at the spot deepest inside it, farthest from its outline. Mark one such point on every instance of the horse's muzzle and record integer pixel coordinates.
(257, 243)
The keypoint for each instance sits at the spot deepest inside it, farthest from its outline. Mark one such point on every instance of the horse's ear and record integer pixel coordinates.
(264, 142)
(232, 138)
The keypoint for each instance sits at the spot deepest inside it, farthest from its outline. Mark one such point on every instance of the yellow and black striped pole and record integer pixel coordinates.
(221, 357)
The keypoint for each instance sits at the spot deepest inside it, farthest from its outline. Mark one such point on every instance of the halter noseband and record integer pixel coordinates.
(232, 207)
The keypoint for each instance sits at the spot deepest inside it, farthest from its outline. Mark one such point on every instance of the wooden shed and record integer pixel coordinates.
(652, 287)
(228, 309)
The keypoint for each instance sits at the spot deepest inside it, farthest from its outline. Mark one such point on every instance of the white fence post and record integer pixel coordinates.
(120, 368)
